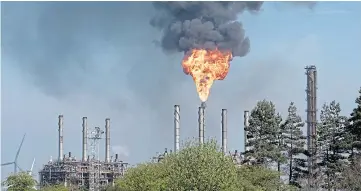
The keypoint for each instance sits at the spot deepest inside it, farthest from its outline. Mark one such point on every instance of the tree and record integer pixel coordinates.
(19, 181)
(55, 188)
(147, 176)
(332, 144)
(263, 134)
(352, 176)
(293, 145)
(199, 168)
(355, 126)
(260, 178)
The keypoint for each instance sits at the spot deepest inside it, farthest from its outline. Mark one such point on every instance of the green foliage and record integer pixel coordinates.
(149, 176)
(293, 144)
(55, 188)
(352, 176)
(331, 134)
(263, 134)
(199, 168)
(355, 124)
(258, 178)
(20, 181)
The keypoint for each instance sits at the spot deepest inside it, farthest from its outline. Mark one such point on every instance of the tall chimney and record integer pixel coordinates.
(61, 149)
(246, 124)
(224, 131)
(85, 138)
(176, 128)
(201, 124)
(107, 140)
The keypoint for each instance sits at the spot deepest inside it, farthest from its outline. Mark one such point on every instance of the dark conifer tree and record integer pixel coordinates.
(354, 127)
(293, 145)
(263, 134)
(332, 145)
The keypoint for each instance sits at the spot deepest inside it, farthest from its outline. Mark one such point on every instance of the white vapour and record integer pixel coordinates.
(121, 150)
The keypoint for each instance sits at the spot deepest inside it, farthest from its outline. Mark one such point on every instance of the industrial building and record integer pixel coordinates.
(90, 172)
(93, 174)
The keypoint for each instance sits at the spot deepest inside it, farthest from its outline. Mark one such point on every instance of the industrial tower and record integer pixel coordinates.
(90, 172)
(311, 90)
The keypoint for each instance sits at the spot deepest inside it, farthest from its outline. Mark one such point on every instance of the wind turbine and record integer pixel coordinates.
(30, 172)
(31, 169)
(15, 162)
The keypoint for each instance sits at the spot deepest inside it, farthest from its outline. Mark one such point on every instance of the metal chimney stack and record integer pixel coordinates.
(201, 124)
(176, 128)
(224, 131)
(85, 139)
(246, 125)
(107, 140)
(61, 149)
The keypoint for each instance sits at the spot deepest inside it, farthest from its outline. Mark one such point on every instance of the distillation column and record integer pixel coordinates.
(107, 140)
(201, 124)
(311, 89)
(61, 149)
(176, 128)
(85, 139)
(246, 125)
(224, 131)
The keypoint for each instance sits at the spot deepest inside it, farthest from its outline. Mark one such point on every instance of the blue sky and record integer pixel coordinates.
(99, 61)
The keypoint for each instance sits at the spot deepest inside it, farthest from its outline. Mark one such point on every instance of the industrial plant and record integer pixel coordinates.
(92, 173)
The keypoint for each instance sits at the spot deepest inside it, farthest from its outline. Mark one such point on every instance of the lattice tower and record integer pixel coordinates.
(94, 136)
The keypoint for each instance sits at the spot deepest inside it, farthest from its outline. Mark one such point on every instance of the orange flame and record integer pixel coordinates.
(205, 66)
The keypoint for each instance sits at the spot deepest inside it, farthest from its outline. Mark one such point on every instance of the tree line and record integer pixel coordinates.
(281, 144)
(276, 158)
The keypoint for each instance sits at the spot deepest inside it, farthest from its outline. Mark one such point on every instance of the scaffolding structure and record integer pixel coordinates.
(77, 174)
(89, 173)
(311, 90)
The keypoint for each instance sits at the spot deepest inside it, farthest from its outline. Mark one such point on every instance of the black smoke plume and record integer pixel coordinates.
(209, 25)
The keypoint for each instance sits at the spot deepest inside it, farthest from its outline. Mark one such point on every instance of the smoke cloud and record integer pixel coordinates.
(209, 25)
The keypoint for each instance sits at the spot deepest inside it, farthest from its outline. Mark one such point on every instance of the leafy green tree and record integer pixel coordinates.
(332, 144)
(293, 145)
(55, 188)
(260, 178)
(199, 168)
(147, 176)
(19, 181)
(263, 134)
(193, 168)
